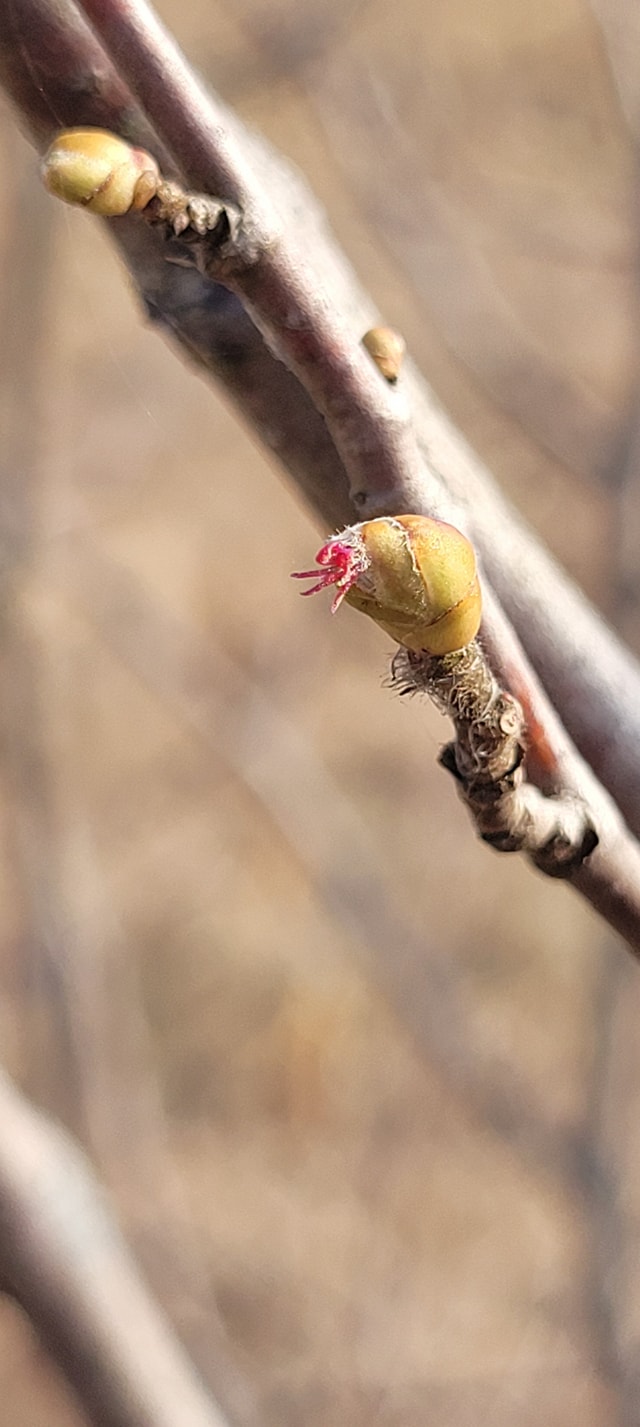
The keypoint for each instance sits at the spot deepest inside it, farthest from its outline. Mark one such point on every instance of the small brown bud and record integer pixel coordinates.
(387, 349)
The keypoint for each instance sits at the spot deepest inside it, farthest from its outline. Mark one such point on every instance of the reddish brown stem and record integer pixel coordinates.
(555, 764)
(577, 656)
(315, 324)
(593, 680)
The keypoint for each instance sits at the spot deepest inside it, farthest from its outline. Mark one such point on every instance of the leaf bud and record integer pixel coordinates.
(387, 349)
(99, 171)
(414, 576)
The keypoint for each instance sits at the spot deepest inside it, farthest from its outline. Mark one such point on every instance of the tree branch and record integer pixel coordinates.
(63, 1260)
(313, 319)
(591, 678)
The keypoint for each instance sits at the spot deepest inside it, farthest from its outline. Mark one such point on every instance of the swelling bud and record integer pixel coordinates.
(415, 577)
(95, 169)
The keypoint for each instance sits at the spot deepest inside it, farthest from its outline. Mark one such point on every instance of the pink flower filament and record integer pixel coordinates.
(343, 562)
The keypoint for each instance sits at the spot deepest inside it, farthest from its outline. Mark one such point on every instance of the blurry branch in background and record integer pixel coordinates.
(60, 1257)
(619, 22)
(63, 1260)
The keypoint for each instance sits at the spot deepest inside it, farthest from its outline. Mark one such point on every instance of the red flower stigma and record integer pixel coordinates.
(343, 561)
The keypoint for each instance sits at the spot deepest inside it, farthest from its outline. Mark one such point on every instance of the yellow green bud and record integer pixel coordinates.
(99, 171)
(414, 576)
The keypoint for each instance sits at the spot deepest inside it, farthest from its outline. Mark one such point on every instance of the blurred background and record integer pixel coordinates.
(364, 1094)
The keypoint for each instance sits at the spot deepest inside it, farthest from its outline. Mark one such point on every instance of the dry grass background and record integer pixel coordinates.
(363, 1092)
